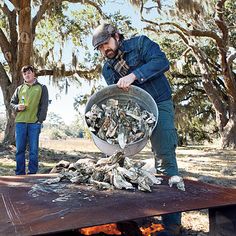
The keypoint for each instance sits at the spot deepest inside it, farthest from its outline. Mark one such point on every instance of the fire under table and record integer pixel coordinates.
(28, 206)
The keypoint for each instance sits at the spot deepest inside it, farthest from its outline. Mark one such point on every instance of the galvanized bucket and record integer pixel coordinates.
(145, 101)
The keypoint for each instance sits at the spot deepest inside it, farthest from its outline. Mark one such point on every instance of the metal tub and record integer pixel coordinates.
(145, 101)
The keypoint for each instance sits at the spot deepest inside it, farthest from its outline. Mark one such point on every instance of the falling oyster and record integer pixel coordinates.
(120, 123)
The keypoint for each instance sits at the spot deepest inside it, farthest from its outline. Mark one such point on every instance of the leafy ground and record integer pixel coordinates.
(206, 163)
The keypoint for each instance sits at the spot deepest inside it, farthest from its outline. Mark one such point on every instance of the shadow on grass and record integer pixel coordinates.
(49, 155)
(222, 181)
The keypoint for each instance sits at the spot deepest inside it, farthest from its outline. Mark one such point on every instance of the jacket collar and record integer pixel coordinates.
(35, 82)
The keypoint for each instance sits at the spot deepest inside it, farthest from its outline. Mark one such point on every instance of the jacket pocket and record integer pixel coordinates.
(133, 59)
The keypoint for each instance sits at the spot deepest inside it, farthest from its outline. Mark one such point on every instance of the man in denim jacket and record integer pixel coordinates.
(140, 61)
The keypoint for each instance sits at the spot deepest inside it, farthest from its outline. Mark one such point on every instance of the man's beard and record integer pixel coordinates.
(110, 53)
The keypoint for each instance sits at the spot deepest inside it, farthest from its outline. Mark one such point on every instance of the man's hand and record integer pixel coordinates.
(126, 81)
(21, 107)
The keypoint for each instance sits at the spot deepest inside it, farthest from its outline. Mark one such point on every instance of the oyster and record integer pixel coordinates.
(100, 185)
(53, 181)
(143, 184)
(129, 174)
(151, 178)
(115, 171)
(120, 123)
(60, 165)
(119, 181)
(115, 158)
(178, 181)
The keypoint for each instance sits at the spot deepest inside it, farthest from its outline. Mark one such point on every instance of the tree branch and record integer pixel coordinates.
(219, 19)
(47, 4)
(198, 33)
(15, 3)
(231, 58)
(186, 41)
(185, 76)
(171, 32)
(195, 32)
(4, 79)
(80, 73)
(42, 9)
(12, 44)
(95, 5)
(206, 78)
(5, 10)
(88, 2)
(13, 32)
(5, 46)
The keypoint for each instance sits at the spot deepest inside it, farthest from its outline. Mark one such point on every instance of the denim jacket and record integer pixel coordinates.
(147, 62)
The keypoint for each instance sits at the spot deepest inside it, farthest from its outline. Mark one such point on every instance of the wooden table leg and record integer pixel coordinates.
(222, 221)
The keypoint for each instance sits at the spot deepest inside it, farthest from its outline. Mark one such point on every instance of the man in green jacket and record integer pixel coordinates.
(30, 101)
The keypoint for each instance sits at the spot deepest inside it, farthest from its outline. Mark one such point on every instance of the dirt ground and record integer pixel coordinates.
(205, 163)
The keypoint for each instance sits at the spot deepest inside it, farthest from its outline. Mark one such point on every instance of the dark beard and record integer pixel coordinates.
(110, 54)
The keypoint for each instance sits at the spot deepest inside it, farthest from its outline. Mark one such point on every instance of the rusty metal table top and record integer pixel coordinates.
(28, 206)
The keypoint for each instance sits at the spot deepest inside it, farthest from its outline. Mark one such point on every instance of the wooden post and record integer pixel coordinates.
(222, 221)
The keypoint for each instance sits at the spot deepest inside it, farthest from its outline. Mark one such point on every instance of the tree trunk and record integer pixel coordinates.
(228, 137)
(9, 134)
(8, 89)
(22, 44)
(225, 115)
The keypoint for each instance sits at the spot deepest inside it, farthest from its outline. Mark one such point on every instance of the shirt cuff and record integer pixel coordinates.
(139, 76)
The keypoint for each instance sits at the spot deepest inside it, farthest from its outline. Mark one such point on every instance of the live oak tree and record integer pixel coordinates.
(35, 32)
(42, 33)
(195, 117)
(207, 29)
(29, 33)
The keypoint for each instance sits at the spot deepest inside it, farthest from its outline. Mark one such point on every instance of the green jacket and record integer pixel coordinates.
(35, 98)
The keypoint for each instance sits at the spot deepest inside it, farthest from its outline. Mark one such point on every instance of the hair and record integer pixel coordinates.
(121, 37)
(28, 67)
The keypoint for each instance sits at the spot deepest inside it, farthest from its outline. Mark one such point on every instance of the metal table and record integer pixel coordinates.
(28, 206)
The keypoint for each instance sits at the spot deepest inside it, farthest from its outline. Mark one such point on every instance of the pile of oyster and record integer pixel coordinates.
(120, 122)
(116, 171)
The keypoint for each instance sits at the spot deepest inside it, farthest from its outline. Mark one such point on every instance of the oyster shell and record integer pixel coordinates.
(120, 123)
(101, 185)
(143, 184)
(119, 181)
(115, 171)
(178, 181)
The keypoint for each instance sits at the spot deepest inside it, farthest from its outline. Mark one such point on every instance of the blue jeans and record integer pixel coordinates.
(27, 133)
(164, 142)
